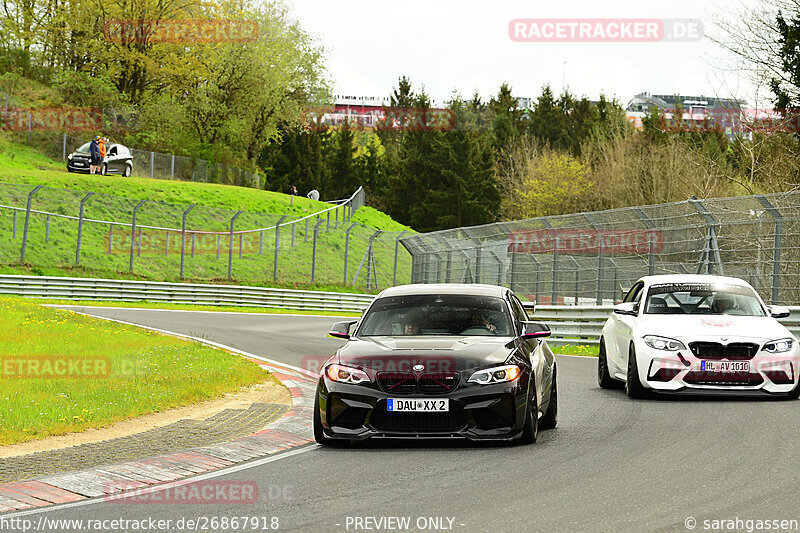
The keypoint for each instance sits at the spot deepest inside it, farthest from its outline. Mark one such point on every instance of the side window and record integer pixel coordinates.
(113, 151)
(519, 309)
(634, 293)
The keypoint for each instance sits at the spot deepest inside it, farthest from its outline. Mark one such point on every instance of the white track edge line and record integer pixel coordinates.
(304, 373)
(69, 306)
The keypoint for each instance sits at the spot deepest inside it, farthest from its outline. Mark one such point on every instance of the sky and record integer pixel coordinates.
(464, 45)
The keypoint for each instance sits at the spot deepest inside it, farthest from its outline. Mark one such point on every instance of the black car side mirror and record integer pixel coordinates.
(341, 330)
(534, 330)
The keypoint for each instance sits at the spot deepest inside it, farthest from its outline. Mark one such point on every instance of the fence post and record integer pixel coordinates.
(230, 246)
(277, 247)
(27, 222)
(314, 250)
(15, 225)
(305, 235)
(47, 229)
(396, 248)
(261, 242)
(152, 163)
(80, 228)
(336, 222)
(554, 291)
(219, 239)
(293, 225)
(166, 244)
(328, 227)
(172, 169)
(133, 235)
(347, 249)
(110, 236)
(776, 249)
(183, 236)
(64, 148)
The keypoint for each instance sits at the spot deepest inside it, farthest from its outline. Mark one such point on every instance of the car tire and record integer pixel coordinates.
(550, 418)
(127, 172)
(530, 430)
(103, 169)
(604, 378)
(70, 170)
(319, 436)
(633, 385)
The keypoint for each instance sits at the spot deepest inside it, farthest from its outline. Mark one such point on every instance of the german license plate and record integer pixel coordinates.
(418, 405)
(725, 366)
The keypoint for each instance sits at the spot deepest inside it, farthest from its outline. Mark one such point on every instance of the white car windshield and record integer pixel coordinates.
(84, 149)
(702, 299)
(436, 314)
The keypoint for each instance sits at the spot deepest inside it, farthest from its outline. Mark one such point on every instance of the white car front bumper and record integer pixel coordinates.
(682, 371)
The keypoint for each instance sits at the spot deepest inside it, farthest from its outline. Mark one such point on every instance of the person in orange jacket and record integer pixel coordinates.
(102, 145)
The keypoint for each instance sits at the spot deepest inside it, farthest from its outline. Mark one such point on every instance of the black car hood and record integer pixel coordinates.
(446, 354)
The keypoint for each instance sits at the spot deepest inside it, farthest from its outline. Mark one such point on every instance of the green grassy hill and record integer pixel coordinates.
(52, 252)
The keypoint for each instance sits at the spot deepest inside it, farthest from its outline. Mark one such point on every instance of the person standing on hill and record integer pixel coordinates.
(102, 145)
(314, 194)
(94, 154)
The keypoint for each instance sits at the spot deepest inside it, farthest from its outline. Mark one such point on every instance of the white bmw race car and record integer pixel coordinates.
(697, 333)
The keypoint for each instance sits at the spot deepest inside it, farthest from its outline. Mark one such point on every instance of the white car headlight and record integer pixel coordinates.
(69, 157)
(346, 374)
(663, 343)
(498, 374)
(779, 346)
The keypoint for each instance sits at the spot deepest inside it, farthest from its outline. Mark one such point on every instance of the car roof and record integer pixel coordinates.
(693, 278)
(476, 289)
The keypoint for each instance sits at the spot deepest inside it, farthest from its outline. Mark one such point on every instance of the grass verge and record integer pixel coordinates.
(62, 372)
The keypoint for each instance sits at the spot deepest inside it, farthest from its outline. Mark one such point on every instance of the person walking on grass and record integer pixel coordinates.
(314, 194)
(94, 154)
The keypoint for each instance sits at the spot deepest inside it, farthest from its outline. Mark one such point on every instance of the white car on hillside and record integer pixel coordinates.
(697, 333)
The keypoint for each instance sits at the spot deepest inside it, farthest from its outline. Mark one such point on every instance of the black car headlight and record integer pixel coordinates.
(346, 374)
(779, 346)
(497, 374)
(663, 343)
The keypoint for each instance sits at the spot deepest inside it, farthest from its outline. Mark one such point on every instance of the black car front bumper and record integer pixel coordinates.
(476, 412)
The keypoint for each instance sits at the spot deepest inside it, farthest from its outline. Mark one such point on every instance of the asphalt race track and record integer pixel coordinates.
(613, 464)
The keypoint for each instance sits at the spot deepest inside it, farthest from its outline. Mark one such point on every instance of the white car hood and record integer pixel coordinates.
(711, 326)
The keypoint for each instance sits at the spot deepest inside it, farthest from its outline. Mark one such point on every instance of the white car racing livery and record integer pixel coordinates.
(697, 333)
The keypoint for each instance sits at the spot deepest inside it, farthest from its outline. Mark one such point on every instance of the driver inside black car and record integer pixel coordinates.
(479, 319)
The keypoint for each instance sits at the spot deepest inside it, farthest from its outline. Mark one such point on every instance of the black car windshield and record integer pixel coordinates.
(436, 314)
(84, 149)
(702, 299)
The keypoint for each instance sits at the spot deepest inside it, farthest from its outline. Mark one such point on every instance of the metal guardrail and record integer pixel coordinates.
(180, 293)
(569, 324)
(584, 324)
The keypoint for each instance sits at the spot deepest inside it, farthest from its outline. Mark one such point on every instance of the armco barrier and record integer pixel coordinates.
(181, 293)
(569, 324)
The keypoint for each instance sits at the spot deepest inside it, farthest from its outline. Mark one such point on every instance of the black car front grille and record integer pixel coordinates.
(735, 351)
(383, 420)
(397, 383)
(404, 383)
(723, 379)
